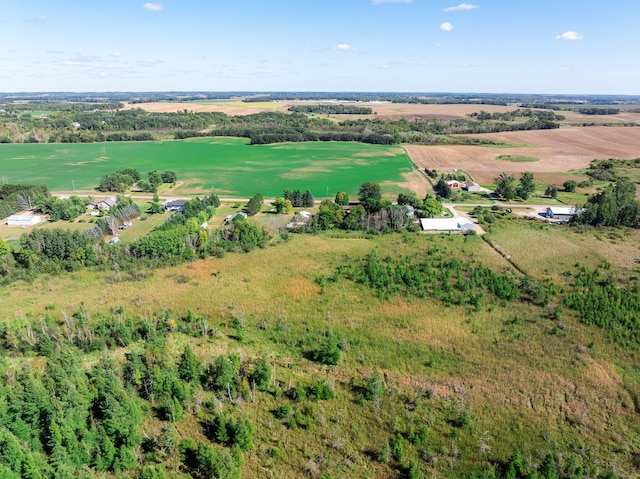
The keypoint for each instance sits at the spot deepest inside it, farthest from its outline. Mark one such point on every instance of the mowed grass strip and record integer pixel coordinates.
(517, 158)
(230, 166)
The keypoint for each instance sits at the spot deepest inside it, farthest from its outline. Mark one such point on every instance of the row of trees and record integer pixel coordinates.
(541, 116)
(332, 109)
(298, 199)
(122, 180)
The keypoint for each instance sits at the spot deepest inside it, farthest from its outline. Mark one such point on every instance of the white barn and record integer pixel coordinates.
(447, 224)
(23, 220)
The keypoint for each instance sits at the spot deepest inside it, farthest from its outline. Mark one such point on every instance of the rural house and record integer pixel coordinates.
(453, 184)
(174, 205)
(104, 205)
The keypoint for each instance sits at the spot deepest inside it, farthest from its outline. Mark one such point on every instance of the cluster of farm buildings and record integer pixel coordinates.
(302, 218)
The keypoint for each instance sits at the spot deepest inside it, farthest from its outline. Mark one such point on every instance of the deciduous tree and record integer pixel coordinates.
(370, 196)
(526, 186)
(505, 186)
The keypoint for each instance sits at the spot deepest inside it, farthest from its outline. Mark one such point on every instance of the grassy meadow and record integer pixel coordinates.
(230, 166)
(523, 386)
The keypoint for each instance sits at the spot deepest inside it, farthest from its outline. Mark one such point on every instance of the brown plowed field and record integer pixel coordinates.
(396, 111)
(559, 151)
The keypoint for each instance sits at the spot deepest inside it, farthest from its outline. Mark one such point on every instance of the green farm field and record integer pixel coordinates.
(229, 166)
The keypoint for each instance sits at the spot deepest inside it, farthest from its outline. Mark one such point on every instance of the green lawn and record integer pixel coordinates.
(229, 165)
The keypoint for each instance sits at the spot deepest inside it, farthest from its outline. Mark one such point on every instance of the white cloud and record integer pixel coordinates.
(344, 47)
(461, 7)
(378, 2)
(116, 54)
(446, 27)
(80, 59)
(570, 36)
(154, 7)
(38, 20)
(565, 69)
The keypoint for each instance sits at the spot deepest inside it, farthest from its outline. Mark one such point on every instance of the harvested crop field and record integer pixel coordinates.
(388, 111)
(625, 116)
(396, 111)
(559, 151)
(229, 107)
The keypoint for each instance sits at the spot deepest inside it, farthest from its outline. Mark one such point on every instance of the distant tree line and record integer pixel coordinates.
(598, 111)
(88, 126)
(540, 116)
(260, 128)
(332, 109)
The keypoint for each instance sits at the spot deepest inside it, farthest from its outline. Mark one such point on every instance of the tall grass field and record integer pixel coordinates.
(230, 166)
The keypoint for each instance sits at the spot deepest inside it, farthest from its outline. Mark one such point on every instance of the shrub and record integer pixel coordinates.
(328, 353)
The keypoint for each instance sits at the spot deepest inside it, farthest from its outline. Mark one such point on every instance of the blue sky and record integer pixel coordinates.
(516, 46)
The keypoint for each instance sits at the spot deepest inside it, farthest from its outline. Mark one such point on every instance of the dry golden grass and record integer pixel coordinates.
(520, 383)
(543, 250)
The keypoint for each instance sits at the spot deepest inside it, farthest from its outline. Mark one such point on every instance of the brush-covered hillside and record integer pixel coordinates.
(333, 355)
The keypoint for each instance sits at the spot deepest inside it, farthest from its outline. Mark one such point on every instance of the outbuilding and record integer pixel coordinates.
(23, 220)
(563, 212)
(447, 224)
(472, 187)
